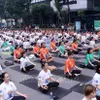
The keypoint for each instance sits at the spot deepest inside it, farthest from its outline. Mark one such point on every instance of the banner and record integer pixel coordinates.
(97, 25)
(78, 25)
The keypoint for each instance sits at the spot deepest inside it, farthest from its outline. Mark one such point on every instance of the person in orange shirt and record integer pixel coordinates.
(70, 69)
(53, 47)
(75, 47)
(36, 50)
(45, 56)
(17, 53)
(20, 50)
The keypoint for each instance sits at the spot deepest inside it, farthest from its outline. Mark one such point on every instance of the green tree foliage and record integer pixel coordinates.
(81, 13)
(2, 3)
(42, 14)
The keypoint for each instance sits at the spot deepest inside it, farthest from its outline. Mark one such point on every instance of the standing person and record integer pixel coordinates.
(71, 69)
(45, 80)
(9, 89)
(89, 92)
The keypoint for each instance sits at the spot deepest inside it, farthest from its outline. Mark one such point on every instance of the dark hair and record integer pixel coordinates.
(42, 44)
(43, 64)
(91, 38)
(88, 89)
(70, 53)
(16, 46)
(88, 50)
(52, 40)
(35, 43)
(3, 75)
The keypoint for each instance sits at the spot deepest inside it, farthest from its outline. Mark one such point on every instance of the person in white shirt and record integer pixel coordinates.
(25, 63)
(96, 81)
(8, 89)
(89, 92)
(92, 42)
(45, 80)
(26, 44)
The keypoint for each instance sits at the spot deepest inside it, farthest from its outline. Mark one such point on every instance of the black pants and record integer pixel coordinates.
(91, 67)
(28, 68)
(36, 55)
(73, 73)
(75, 52)
(50, 86)
(18, 98)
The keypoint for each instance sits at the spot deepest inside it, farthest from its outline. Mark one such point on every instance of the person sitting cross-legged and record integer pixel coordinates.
(45, 80)
(62, 52)
(71, 70)
(91, 61)
(45, 56)
(53, 47)
(36, 49)
(25, 63)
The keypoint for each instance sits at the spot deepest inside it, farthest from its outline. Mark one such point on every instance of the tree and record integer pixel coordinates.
(2, 3)
(81, 13)
(59, 8)
(42, 14)
(18, 8)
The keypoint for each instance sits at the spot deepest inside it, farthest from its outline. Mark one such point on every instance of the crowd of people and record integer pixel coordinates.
(24, 45)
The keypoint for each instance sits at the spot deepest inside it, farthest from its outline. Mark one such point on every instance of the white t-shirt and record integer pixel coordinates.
(43, 76)
(86, 99)
(96, 79)
(6, 88)
(22, 63)
(83, 39)
(26, 45)
(92, 43)
(40, 42)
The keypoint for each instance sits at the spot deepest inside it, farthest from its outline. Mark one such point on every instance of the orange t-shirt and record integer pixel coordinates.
(52, 45)
(43, 51)
(20, 50)
(36, 49)
(74, 45)
(16, 53)
(69, 65)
